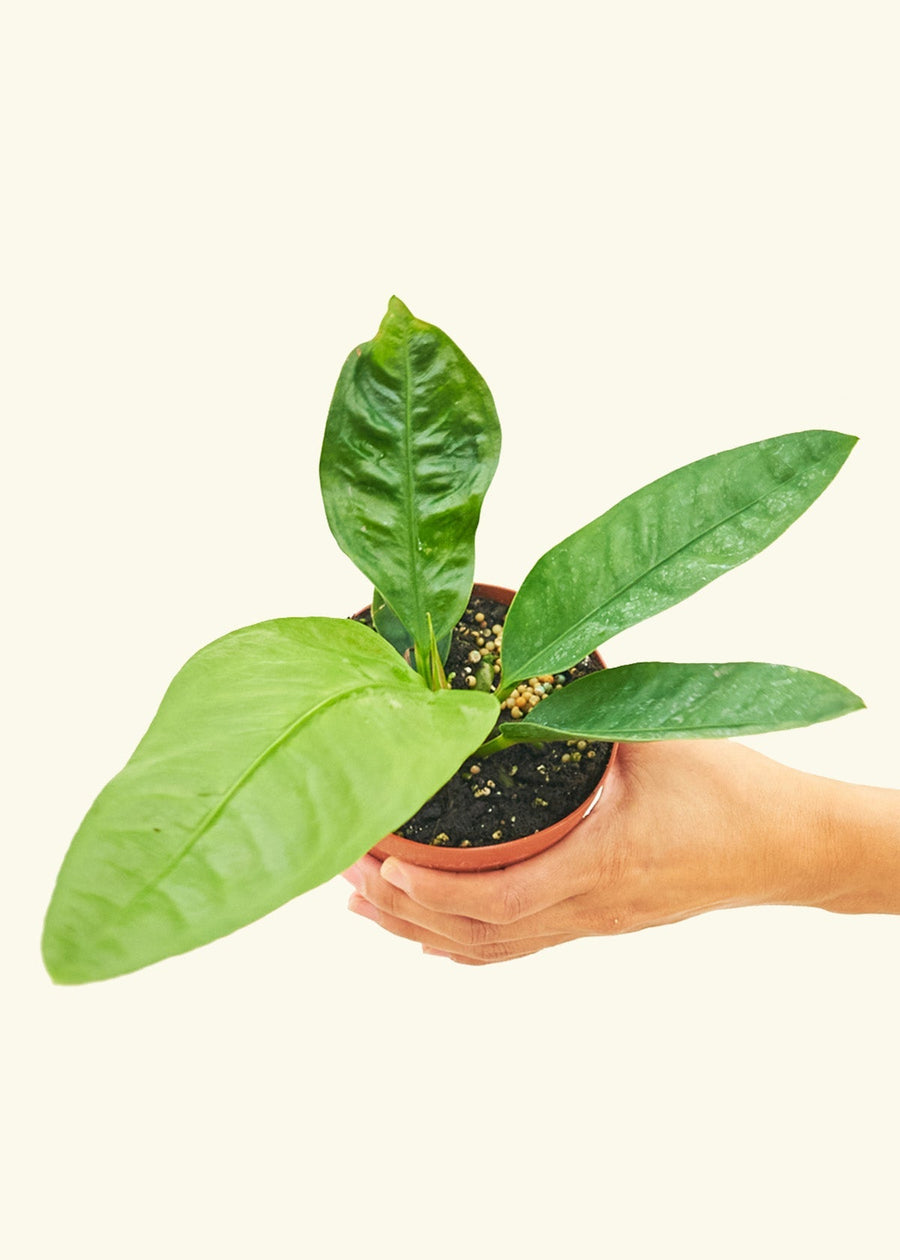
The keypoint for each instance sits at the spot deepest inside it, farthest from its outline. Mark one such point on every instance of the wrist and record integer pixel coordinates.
(839, 847)
(863, 826)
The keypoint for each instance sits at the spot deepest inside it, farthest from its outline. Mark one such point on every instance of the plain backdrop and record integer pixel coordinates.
(659, 230)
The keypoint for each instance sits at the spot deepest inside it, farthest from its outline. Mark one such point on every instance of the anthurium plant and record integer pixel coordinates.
(284, 750)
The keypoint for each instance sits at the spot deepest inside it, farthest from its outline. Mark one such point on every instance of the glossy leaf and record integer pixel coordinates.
(411, 444)
(663, 700)
(279, 755)
(390, 627)
(661, 544)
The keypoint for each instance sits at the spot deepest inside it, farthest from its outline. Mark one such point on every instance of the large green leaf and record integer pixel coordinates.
(411, 444)
(279, 754)
(662, 700)
(661, 544)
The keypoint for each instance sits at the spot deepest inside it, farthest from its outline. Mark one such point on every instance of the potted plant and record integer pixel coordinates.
(284, 750)
(508, 804)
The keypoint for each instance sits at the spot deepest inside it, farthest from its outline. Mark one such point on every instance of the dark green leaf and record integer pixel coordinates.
(411, 444)
(661, 544)
(280, 754)
(390, 627)
(662, 700)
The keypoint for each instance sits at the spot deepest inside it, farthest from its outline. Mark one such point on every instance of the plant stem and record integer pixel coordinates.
(435, 676)
(421, 661)
(493, 746)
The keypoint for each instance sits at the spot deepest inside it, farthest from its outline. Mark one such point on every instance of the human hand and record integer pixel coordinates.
(682, 827)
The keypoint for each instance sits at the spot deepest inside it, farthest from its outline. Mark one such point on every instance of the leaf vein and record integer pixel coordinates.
(412, 519)
(536, 660)
(212, 814)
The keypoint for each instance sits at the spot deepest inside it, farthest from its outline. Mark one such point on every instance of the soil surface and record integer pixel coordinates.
(515, 792)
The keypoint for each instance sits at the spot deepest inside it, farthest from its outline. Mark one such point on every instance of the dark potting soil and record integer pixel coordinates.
(514, 792)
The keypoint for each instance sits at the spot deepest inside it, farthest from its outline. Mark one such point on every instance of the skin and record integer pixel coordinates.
(683, 827)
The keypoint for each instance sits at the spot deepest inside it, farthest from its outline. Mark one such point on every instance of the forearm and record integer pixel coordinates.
(860, 829)
(708, 824)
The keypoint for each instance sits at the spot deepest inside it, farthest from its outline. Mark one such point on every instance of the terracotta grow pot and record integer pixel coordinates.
(492, 857)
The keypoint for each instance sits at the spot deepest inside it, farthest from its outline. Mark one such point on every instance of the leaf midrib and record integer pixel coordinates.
(212, 814)
(650, 730)
(535, 661)
(412, 532)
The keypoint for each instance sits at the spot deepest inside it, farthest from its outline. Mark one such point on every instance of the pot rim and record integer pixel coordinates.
(491, 857)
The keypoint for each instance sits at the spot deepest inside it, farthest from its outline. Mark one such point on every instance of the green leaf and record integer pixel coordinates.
(411, 444)
(280, 754)
(390, 627)
(661, 544)
(662, 700)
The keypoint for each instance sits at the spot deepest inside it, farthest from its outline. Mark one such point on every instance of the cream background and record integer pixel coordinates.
(659, 230)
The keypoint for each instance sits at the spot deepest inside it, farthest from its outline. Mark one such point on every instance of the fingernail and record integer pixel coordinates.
(354, 876)
(359, 905)
(435, 953)
(395, 873)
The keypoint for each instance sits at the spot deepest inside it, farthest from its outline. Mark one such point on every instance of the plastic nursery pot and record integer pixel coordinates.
(492, 857)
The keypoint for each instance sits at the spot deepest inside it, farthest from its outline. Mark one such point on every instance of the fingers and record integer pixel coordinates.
(480, 917)
(503, 897)
(450, 929)
(472, 955)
